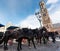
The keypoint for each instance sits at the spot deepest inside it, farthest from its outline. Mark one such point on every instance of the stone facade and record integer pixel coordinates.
(45, 16)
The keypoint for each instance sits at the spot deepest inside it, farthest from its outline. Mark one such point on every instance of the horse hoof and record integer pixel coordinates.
(20, 48)
(53, 41)
(29, 47)
(35, 47)
(5, 48)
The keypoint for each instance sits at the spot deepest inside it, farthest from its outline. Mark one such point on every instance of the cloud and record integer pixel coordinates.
(54, 5)
(55, 17)
(51, 7)
(52, 1)
(30, 22)
(54, 13)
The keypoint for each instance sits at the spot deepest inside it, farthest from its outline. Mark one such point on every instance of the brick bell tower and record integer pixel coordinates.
(46, 21)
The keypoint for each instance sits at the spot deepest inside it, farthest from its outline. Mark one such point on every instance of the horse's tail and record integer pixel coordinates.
(1, 40)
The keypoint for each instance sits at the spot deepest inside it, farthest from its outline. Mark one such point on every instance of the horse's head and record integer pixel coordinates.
(43, 29)
(56, 33)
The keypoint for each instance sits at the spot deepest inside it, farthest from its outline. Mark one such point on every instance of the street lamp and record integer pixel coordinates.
(38, 15)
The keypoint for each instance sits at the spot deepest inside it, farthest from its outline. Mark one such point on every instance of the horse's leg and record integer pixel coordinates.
(33, 43)
(40, 39)
(44, 41)
(5, 42)
(53, 40)
(19, 44)
(48, 38)
(18, 48)
(2, 40)
(5, 45)
(28, 42)
(37, 40)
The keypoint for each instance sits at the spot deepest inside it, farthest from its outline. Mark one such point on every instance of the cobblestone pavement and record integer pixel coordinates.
(40, 47)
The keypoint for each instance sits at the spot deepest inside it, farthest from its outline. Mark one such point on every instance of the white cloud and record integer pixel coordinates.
(54, 5)
(55, 17)
(52, 1)
(54, 11)
(51, 7)
(30, 22)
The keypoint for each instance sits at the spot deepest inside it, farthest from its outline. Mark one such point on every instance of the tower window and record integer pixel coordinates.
(44, 14)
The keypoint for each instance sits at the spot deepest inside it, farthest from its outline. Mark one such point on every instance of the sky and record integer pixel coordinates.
(22, 12)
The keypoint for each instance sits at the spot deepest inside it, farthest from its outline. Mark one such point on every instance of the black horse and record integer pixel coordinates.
(19, 35)
(45, 34)
(25, 33)
(53, 35)
(42, 35)
(7, 36)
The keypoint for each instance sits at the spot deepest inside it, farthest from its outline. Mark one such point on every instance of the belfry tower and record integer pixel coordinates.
(45, 16)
